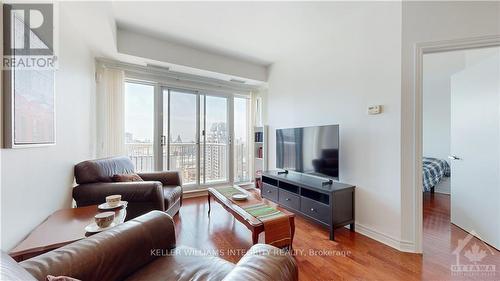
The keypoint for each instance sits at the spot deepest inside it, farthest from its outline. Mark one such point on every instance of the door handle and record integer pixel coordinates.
(454, 157)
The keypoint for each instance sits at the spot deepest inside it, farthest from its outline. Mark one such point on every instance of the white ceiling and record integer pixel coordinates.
(259, 32)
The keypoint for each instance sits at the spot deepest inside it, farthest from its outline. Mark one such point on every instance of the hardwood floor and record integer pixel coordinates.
(441, 238)
(351, 257)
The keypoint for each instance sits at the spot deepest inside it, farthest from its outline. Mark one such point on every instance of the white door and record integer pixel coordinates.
(475, 140)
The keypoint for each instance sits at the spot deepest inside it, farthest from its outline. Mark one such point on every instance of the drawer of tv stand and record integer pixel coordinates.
(288, 199)
(315, 209)
(270, 192)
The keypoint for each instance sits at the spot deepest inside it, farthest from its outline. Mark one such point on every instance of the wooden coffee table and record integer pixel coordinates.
(251, 222)
(61, 228)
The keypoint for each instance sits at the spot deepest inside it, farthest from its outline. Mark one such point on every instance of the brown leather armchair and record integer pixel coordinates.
(145, 249)
(159, 190)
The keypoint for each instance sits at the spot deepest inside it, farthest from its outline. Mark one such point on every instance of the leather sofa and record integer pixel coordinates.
(145, 249)
(159, 190)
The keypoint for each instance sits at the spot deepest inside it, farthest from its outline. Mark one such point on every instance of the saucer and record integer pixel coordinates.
(93, 228)
(105, 206)
(240, 197)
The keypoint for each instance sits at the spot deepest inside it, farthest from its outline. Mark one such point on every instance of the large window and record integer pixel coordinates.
(241, 139)
(139, 124)
(191, 133)
(183, 139)
(216, 138)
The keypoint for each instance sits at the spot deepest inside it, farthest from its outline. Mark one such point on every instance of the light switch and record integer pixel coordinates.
(374, 109)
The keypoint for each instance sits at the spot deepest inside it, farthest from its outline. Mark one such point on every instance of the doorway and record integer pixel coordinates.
(461, 145)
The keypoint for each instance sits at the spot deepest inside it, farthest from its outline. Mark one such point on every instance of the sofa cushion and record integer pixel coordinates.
(11, 270)
(102, 170)
(171, 193)
(111, 255)
(185, 264)
(264, 262)
(60, 278)
(127, 177)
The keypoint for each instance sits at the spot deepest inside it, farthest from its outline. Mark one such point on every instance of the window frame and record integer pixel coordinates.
(159, 88)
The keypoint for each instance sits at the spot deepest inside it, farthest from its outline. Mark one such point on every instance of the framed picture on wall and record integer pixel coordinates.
(29, 75)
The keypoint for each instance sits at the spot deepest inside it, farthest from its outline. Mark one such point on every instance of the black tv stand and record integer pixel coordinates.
(328, 203)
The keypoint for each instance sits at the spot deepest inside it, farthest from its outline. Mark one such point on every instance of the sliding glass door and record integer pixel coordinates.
(139, 125)
(188, 131)
(182, 135)
(242, 140)
(215, 131)
(195, 136)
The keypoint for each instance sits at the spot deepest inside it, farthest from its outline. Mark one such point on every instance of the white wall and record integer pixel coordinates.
(334, 84)
(429, 22)
(37, 181)
(436, 117)
(437, 71)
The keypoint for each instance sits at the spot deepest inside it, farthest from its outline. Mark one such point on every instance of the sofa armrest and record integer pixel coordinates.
(95, 193)
(110, 255)
(265, 262)
(165, 177)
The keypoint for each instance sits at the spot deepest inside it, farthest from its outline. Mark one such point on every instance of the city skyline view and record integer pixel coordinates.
(180, 128)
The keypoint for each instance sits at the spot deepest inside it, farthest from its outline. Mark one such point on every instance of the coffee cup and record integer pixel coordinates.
(104, 219)
(113, 200)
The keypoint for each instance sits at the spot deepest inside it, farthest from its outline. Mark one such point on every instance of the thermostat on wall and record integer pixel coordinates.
(374, 109)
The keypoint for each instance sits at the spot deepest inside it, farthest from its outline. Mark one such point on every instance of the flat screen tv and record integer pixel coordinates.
(309, 150)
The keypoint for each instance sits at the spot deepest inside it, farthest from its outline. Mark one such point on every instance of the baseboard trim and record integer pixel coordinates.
(400, 245)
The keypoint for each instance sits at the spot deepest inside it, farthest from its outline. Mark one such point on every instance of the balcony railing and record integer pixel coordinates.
(183, 157)
(141, 155)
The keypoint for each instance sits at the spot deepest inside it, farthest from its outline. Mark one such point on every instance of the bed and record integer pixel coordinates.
(434, 170)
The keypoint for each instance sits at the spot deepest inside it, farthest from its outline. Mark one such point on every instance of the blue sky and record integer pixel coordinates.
(139, 113)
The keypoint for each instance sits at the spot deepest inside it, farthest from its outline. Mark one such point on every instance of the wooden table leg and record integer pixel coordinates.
(292, 229)
(255, 237)
(208, 203)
